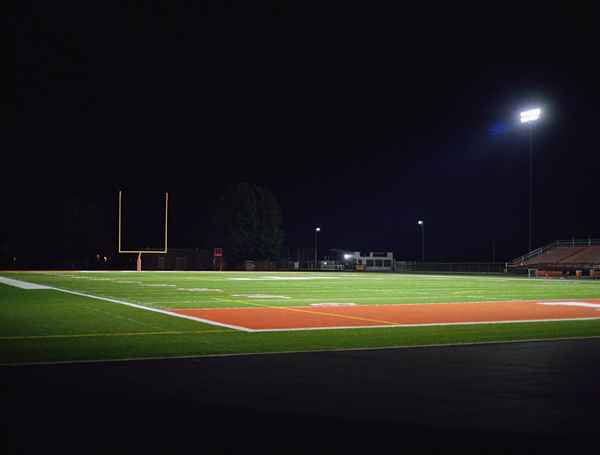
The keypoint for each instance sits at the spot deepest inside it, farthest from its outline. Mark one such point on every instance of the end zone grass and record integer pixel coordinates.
(47, 325)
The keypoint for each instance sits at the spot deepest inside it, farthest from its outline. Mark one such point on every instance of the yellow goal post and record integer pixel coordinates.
(140, 252)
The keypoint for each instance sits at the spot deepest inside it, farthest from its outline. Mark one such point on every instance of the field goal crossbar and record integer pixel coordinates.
(140, 252)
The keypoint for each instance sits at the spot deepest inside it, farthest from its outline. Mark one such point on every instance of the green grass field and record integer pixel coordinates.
(42, 325)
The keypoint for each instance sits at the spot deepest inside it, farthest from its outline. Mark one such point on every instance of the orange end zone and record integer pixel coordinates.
(299, 318)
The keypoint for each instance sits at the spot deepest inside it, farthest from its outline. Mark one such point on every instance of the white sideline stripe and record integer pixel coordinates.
(155, 310)
(431, 324)
(583, 304)
(313, 351)
(26, 285)
(21, 284)
(333, 304)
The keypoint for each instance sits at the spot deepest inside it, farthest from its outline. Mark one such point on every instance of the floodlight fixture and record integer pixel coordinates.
(531, 115)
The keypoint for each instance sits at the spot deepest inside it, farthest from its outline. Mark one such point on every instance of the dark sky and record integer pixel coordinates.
(360, 126)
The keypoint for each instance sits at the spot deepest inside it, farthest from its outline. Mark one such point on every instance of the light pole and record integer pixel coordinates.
(529, 117)
(422, 225)
(317, 230)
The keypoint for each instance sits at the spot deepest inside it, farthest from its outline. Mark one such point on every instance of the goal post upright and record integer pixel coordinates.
(166, 218)
(140, 252)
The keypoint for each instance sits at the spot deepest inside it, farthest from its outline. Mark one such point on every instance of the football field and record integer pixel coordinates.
(67, 316)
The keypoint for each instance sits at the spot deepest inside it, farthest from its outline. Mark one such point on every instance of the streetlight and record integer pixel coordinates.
(317, 230)
(422, 224)
(529, 117)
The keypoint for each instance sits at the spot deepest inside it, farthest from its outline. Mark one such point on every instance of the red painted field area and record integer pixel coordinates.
(291, 318)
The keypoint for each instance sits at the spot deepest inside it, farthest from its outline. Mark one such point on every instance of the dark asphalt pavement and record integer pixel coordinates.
(518, 397)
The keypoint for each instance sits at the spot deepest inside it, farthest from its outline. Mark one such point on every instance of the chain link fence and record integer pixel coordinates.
(450, 267)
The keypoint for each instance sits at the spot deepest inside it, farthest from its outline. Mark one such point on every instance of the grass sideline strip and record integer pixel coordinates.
(316, 351)
(117, 334)
(95, 348)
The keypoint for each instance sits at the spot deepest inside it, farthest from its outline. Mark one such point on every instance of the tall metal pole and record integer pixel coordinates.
(316, 232)
(530, 187)
(421, 224)
(119, 242)
(166, 219)
(423, 242)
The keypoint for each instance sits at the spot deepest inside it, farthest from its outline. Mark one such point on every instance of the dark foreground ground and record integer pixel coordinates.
(521, 397)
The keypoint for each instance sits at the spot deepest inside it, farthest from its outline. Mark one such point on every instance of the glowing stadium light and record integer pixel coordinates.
(347, 256)
(531, 115)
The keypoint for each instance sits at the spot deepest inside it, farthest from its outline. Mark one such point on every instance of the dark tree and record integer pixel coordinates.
(248, 223)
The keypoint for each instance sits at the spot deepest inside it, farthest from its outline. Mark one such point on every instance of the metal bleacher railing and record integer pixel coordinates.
(564, 243)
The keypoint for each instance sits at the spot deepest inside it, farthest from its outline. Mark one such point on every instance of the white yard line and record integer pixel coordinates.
(580, 304)
(155, 310)
(21, 284)
(262, 296)
(431, 324)
(26, 285)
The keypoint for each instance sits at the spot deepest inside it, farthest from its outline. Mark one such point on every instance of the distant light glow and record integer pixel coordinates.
(420, 222)
(531, 115)
(347, 256)
(498, 129)
(318, 229)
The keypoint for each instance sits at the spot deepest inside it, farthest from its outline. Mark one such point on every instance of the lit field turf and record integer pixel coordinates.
(40, 325)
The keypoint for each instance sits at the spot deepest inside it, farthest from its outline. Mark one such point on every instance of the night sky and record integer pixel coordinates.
(361, 129)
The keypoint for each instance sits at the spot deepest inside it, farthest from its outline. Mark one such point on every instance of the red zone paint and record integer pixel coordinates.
(294, 318)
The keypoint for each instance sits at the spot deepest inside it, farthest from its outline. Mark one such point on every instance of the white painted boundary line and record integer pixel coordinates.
(581, 304)
(27, 285)
(313, 351)
(21, 284)
(155, 310)
(431, 324)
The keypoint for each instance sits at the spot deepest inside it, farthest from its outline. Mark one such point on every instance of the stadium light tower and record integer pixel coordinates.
(422, 225)
(529, 118)
(317, 230)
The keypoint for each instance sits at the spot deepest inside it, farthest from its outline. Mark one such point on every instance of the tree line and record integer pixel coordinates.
(72, 231)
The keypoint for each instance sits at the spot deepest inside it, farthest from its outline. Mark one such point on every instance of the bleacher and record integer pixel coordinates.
(563, 255)
(556, 255)
(589, 255)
